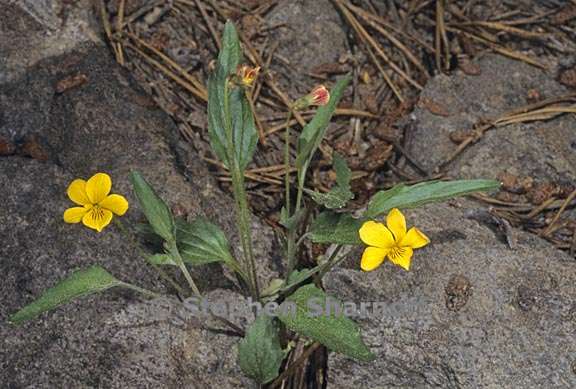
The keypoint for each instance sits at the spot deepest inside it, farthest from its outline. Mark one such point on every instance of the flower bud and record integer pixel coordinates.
(318, 96)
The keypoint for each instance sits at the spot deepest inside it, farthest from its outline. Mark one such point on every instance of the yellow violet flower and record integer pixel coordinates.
(390, 240)
(97, 205)
(247, 74)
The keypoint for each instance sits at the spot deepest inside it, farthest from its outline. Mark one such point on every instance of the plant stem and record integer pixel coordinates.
(332, 261)
(287, 162)
(138, 289)
(291, 237)
(130, 237)
(242, 213)
(178, 258)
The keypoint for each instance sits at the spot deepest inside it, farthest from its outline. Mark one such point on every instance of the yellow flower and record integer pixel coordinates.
(247, 74)
(390, 241)
(97, 205)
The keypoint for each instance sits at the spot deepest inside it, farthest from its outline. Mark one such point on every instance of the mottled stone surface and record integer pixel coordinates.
(311, 32)
(470, 313)
(544, 150)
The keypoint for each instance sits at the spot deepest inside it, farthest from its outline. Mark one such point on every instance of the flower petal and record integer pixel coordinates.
(98, 187)
(401, 256)
(415, 239)
(396, 223)
(115, 203)
(97, 218)
(376, 234)
(77, 192)
(74, 214)
(372, 258)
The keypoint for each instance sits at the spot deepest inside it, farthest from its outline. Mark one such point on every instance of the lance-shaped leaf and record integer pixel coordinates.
(332, 227)
(340, 194)
(244, 129)
(237, 113)
(202, 242)
(155, 209)
(231, 54)
(334, 330)
(259, 353)
(92, 280)
(426, 192)
(313, 132)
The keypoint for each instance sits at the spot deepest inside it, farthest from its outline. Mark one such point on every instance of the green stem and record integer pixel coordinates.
(138, 289)
(242, 213)
(332, 261)
(180, 262)
(130, 237)
(292, 234)
(291, 237)
(287, 162)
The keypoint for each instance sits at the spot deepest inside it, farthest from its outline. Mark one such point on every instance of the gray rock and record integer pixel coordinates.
(470, 313)
(32, 30)
(544, 150)
(310, 34)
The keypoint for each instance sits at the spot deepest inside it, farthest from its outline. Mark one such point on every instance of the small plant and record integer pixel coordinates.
(233, 139)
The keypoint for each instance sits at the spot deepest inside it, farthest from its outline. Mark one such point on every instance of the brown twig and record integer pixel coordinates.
(568, 200)
(290, 369)
(208, 23)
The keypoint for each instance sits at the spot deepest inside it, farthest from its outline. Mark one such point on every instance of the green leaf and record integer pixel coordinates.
(92, 280)
(244, 129)
(241, 120)
(155, 209)
(216, 123)
(161, 259)
(293, 221)
(334, 331)
(343, 172)
(339, 195)
(231, 54)
(426, 192)
(297, 277)
(336, 198)
(259, 353)
(202, 242)
(313, 133)
(332, 227)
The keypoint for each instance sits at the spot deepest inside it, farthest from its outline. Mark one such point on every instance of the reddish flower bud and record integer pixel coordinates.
(319, 96)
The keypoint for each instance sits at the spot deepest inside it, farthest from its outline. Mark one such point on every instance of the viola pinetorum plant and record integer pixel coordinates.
(262, 351)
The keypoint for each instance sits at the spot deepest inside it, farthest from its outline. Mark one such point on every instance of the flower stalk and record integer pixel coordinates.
(173, 250)
(132, 239)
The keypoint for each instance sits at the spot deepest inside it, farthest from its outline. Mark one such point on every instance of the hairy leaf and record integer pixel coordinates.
(333, 330)
(426, 192)
(202, 242)
(155, 209)
(92, 280)
(259, 353)
(332, 227)
(241, 120)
